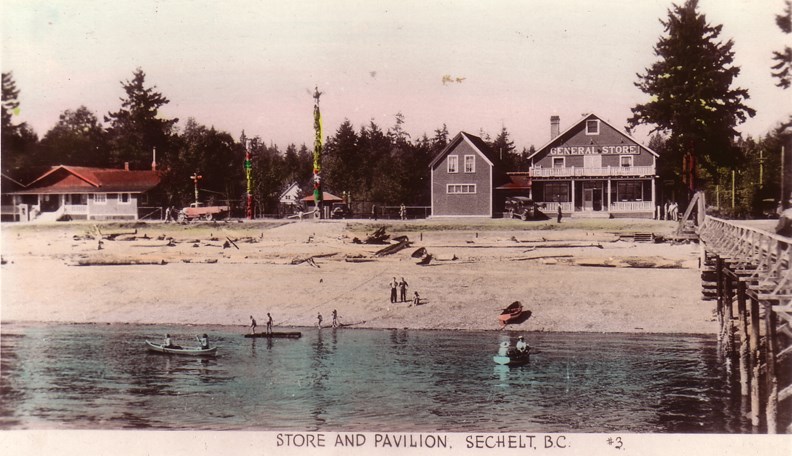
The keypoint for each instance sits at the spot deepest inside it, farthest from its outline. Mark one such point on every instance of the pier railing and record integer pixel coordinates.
(748, 271)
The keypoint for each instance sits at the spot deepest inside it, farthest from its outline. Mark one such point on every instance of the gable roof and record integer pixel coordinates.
(477, 143)
(83, 179)
(573, 128)
(288, 189)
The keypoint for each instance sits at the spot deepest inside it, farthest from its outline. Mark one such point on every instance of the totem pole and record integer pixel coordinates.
(248, 171)
(317, 156)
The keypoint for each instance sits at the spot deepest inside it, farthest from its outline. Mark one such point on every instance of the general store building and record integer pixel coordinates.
(592, 169)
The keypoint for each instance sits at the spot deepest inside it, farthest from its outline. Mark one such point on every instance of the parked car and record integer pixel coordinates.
(340, 211)
(524, 208)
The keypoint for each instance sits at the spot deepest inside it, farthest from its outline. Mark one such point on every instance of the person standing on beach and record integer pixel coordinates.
(269, 323)
(403, 290)
(335, 318)
(559, 213)
(252, 325)
(403, 212)
(374, 211)
(319, 320)
(393, 285)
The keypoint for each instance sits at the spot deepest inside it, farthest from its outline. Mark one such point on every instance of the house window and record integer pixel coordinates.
(556, 191)
(124, 198)
(461, 189)
(470, 163)
(629, 191)
(592, 127)
(558, 162)
(626, 161)
(100, 198)
(453, 163)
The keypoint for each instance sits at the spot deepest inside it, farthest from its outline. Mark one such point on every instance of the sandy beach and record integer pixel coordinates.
(581, 275)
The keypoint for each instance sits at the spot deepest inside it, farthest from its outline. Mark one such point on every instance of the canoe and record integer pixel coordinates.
(277, 335)
(186, 351)
(513, 359)
(514, 310)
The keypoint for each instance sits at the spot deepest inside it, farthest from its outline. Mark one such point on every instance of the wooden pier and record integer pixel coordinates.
(748, 272)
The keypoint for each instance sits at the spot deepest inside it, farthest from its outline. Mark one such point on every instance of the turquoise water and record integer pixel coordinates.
(102, 377)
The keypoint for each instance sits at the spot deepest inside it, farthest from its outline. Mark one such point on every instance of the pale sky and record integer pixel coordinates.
(249, 64)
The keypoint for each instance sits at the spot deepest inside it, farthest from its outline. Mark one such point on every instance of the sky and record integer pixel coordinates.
(475, 66)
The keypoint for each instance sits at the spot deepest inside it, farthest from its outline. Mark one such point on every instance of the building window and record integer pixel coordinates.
(470, 163)
(556, 191)
(100, 198)
(124, 198)
(455, 189)
(558, 162)
(592, 127)
(626, 161)
(629, 191)
(453, 163)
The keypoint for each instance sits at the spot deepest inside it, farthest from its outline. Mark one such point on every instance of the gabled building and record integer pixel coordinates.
(593, 169)
(84, 193)
(463, 179)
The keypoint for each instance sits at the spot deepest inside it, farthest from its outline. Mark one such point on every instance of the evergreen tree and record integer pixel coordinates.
(18, 141)
(783, 59)
(691, 95)
(137, 128)
(77, 139)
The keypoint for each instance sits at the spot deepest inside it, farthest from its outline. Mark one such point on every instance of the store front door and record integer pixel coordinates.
(592, 199)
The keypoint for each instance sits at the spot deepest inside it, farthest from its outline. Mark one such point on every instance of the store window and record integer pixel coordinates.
(629, 191)
(461, 188)
(558, 162)
(556, 191)
(626, 161)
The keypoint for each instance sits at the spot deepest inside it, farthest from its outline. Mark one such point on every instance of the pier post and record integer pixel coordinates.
(772, 380)
(742, 328)
(755, 358)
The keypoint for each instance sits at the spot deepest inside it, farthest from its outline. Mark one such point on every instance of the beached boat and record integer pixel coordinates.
(513, 358)
(514, 311)
(276, 335)
(187, 351)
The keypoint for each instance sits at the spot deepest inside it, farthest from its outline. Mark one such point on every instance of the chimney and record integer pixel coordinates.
(154, 160)
(554, 126)
(126, 166)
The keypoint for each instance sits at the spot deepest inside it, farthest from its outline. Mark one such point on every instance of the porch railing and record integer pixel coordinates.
(593, 172)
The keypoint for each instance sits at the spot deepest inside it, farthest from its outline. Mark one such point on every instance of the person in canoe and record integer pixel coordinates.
(503, 349)
(521, 346)
(168, 343)
(203, 341)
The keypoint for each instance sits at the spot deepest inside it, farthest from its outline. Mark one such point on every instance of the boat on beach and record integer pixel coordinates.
(186, 351)
(513, 311)
(276, 335)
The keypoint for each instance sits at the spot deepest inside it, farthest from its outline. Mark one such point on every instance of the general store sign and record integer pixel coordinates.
(596, 150)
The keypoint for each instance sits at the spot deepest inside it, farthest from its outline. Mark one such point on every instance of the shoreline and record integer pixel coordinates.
(584, 278)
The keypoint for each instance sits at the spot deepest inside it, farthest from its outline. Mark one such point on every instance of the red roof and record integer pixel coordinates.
(325, 197)
(82, 179)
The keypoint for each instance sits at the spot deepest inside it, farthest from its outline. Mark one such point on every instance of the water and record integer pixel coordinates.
(101, 377)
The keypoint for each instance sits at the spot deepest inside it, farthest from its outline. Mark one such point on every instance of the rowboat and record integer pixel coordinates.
(277, 335)
(513, 358)
(186, 351)
(514, 310)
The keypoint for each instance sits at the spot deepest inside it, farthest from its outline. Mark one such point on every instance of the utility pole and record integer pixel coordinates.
(195, 178)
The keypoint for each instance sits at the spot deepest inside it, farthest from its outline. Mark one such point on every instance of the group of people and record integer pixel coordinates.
(334, 323)
(253, 324)
(670, 211)
(520, 348)
(203, 341)
(398, 292)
